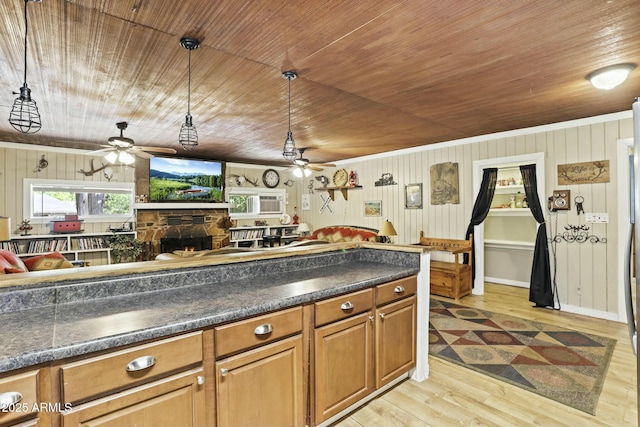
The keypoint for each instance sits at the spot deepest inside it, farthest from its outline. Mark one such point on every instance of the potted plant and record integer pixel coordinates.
(124, 248)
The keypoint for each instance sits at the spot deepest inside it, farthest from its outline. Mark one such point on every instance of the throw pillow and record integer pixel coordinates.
(16, 264)
(52, 261)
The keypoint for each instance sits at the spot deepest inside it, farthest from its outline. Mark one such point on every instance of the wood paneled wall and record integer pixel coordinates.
(18, 162)
(587, 276)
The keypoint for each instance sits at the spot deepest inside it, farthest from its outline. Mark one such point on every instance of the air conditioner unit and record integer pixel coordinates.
(271, 204)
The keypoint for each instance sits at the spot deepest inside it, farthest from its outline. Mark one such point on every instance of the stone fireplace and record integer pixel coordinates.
(181, 228)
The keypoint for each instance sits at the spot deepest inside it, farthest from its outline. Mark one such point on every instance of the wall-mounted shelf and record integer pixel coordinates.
(343, 190)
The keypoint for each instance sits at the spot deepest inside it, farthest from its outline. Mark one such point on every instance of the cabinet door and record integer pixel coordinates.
(263, 386)
(174, 401)
(344, 371)
(395, 340)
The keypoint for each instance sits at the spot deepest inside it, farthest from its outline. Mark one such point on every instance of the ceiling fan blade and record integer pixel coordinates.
(323, 165)
(154, 149)
(100, 151)
(141, 154)
(314, 167)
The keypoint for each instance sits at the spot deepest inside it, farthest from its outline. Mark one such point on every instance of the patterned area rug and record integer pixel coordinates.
(564, 365)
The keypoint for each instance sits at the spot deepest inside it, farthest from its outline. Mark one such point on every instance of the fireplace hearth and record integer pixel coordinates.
(170, 244)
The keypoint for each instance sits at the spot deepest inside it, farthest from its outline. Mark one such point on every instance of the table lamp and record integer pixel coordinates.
(303, 228)
(5, 229)
(386, 231)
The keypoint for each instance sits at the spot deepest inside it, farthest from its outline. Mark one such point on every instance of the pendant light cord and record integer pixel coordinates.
(289, 78)
(189, 86)
(26, 28)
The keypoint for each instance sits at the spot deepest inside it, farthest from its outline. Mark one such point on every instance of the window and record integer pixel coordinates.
(256, 203)
(91, 201)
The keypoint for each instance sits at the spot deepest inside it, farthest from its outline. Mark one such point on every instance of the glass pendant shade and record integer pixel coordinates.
(299, 172)
(126, 158)
(111, 157)
(289, 151)
(188, 134)
(24, 116)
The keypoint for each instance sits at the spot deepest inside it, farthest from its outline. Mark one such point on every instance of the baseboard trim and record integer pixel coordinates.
(507, 282)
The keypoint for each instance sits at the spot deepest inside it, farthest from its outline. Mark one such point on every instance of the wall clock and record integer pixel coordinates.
(271, 178)
(340, 178)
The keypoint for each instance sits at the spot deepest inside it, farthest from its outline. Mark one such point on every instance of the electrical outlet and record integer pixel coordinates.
(597, 218)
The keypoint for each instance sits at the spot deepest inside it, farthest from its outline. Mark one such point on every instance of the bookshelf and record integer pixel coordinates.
(254, 234)
(74, 246)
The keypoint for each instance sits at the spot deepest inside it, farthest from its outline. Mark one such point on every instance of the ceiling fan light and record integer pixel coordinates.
(111, 157)
(188, 135)
(307, 172)
(126, 158)
(289, 152)
(608, 78)
(297, 172)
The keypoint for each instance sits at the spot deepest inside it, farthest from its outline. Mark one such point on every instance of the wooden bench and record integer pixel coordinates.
(450, 279)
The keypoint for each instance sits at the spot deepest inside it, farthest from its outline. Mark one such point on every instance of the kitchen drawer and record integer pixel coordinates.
(19, 396)
(396, 290)
(92, 377)
(343, 306)
(255, 331)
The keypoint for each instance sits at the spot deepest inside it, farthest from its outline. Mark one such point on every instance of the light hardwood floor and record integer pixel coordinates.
(455, 396)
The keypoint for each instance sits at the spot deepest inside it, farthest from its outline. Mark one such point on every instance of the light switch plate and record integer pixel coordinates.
(597, 218)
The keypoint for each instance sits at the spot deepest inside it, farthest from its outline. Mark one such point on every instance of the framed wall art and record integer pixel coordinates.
(373, 208)
(413, 196)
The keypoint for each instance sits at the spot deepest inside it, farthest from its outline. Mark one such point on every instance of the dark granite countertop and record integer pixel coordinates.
(48, 332)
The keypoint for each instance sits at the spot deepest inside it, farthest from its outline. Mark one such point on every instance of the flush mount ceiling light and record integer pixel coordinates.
(289, 152)
(24, 116)
(188, 136)
(609, 77)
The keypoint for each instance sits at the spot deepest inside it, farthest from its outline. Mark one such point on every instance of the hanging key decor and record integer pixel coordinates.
(579, 200)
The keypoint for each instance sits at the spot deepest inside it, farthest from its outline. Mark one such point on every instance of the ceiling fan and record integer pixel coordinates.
(123, 149)
(303, 167)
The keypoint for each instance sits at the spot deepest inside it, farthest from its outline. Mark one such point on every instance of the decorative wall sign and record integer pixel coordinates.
(373, 208)
(385, 179)
(444, 184)
(584, 173)
(413, 196)
(306, 202)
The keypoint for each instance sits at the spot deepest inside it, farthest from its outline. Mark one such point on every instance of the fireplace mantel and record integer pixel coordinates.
(161, 206)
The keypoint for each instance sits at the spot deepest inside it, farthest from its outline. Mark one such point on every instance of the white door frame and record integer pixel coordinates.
(624, 202)
(478, 232)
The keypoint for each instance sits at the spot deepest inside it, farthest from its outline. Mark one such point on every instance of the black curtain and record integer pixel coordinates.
(540, 290)
(481, 209)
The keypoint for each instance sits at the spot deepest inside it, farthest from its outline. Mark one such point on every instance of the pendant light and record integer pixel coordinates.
(188, 135)
(289, 152)
(24, 116)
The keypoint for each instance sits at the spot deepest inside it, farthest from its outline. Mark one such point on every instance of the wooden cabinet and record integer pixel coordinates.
(344, 371)
(262, 382)
(263, 386)
(159, 384)
(174, 401)
(19, 398)
(360, 348)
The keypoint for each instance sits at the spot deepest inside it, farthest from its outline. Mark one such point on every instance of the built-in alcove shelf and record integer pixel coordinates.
(343, 190)
(160, 206)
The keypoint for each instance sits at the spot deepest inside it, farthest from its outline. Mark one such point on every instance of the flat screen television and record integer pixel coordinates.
(186, 180)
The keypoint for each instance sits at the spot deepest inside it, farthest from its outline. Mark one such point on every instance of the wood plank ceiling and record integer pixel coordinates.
(374, 75)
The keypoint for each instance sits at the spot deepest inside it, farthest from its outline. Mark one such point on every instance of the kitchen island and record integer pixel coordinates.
(56, 324)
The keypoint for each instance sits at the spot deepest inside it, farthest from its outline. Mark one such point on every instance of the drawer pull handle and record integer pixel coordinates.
(265, 329)
(9, 399)
(141, 363)
(224, 372)
(398, 289)
(382, 315)
(200, 380)
(347, 305)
